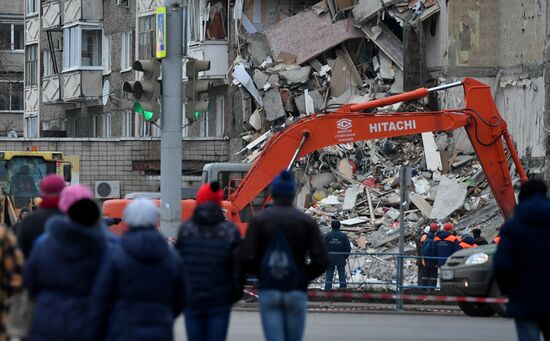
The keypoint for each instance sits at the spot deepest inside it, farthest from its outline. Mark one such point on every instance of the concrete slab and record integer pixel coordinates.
(350, 196)
(298, 76)
(260, 79)
(273, 105)
(450, 197)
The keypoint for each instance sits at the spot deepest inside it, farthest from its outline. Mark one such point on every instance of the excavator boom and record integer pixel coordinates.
(480, 117)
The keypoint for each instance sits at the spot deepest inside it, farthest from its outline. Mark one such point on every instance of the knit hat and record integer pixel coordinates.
(51, 186)
(141, 213)
(210, 192)
(434, 227)
(84, 212)
(283, 185)
(71, 195)
(426, 229)
(448, 226)
(335, 224)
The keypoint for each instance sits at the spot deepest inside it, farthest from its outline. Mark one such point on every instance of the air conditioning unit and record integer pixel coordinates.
(107, 189)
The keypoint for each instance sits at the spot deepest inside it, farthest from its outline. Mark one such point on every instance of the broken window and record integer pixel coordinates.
(208, 20)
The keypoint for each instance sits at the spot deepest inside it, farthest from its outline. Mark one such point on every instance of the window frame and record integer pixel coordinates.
(31, 65)
(34, 4)
(126, 51)
(12, 37)
(72, 47)
(47, 62)
(149, 35)
(127, 123)
(106, 54)
(10, 96)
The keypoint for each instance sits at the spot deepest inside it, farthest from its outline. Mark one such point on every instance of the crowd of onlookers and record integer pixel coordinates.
(65, 276)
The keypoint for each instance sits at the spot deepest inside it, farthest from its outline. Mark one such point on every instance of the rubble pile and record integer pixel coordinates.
(339, 52)
(331, 53)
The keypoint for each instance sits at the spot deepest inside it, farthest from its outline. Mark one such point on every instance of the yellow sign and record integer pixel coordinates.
(161, 32)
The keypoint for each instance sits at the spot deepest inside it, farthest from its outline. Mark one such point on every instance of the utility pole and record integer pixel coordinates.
(404, 182)
(171, 124)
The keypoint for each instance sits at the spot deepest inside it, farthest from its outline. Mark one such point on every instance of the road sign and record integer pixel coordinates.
(161, 32)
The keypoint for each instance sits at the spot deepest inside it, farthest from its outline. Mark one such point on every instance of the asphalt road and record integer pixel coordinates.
(367, 326)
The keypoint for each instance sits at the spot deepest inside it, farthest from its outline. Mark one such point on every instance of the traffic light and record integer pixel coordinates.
(146, 91)
(196, 90)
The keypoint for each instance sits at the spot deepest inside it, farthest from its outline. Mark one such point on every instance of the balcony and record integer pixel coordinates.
(216, 51)
(82, 86)
(82, 10)
(51, 92)
(51, 15)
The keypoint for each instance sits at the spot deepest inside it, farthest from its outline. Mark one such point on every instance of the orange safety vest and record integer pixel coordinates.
(465, 245)
(497, 240)
(450, 238)
(423, 238)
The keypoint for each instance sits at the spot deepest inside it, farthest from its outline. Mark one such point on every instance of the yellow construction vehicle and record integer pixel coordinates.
(20, 175)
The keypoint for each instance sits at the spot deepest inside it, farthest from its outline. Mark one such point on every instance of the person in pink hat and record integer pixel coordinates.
(32, 226)
(62, 267)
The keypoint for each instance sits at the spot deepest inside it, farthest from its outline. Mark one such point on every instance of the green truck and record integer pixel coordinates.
(469, 272)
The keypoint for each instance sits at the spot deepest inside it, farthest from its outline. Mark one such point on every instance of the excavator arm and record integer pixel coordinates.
(481, 119)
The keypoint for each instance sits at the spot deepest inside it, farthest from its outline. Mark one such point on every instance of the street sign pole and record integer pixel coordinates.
(404, 182)
(170, 41)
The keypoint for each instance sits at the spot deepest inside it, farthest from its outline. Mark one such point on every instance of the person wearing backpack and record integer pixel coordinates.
(209, 248)
(284, 249)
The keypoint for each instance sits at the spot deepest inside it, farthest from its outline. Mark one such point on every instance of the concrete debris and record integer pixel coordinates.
(316, 60)
(450, 197)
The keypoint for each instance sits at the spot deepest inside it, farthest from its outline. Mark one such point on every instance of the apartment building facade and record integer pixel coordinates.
(78, 53)
(11, 68)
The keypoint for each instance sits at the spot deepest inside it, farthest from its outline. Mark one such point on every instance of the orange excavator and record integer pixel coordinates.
(351, 123)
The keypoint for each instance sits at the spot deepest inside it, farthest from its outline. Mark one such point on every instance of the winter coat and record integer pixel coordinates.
(446, 244)
(338, 242)
(467, 242)
(60, 274)
(11, 269)
(139, 289)
(481, 241)
(429, 249)
(209, 248)
(302, 234)
(521, 262)
(32, 226)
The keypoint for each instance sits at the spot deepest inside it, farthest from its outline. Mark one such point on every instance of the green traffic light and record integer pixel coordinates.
(147, 115)
(197, 115)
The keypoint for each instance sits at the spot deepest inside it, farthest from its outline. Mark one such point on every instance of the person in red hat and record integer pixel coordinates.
(32, 226)
(208, 245)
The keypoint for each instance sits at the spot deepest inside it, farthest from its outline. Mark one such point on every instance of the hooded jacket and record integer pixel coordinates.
(302, 234)
(209, 248)
(468, 242)
(32, 226)
(446, 244)
(337, 242)
(60, 274)
(521, 262)
(139, 289)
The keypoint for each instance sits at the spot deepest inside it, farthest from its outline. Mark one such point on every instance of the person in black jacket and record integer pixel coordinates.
(62, 268)
(32, 226)
(139, 289)
(209, 248)
(521, 263)
(296, 237)
(338, 246)
(478, 239)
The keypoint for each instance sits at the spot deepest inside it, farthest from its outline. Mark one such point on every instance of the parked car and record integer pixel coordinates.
(469, 272)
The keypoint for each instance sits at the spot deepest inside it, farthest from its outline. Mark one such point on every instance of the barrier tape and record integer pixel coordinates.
(406, 297)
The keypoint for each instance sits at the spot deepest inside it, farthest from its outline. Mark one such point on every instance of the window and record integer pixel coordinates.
(31, 126)
(107, 125)
(11, 95)
(31, 65)
(32, 6)
(122, 3)
(47, 62)
(106, 58)
(219, 115)
(203, 124)
(127, 120)
(126, 55)
(146, 37)
(11, 37)
(208, 22)
(82, 47)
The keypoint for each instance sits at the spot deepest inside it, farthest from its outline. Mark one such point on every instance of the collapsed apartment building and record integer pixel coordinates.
(293, 64)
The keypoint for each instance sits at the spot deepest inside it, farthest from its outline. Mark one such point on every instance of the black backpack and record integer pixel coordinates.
(278, 269)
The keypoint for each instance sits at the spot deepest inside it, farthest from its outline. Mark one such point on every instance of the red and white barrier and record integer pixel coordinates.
(367, 296)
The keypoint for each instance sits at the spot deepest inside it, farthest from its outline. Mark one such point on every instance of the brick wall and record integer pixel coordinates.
(134, 162)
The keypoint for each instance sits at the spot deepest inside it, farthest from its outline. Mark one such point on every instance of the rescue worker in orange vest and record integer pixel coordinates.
(430, 264)
(467, 241)
(421, 262)
(445, 243)
(496, 240)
